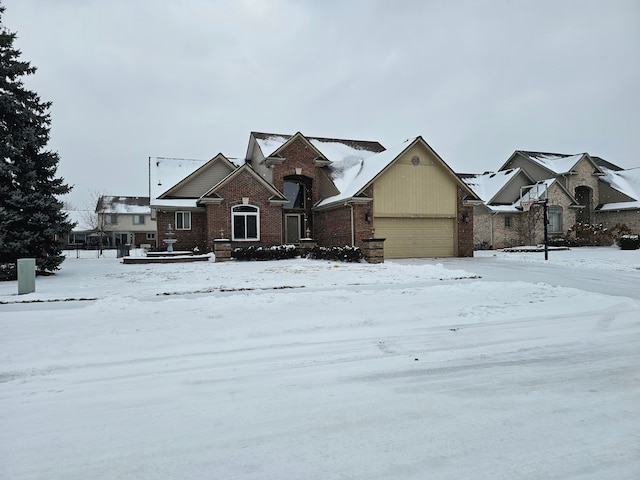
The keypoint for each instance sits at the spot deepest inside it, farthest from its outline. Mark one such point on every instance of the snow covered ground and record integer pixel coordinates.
(498, 367)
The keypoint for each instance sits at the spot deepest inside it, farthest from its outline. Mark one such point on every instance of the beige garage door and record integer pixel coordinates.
(416, 237)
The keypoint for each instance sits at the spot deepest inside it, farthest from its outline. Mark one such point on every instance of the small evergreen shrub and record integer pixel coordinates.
(629, 242)
(276, 252)
(341, 254)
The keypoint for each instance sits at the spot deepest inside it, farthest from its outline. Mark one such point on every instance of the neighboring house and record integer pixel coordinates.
(124, 221)
(81, 234)
(578, 188)
(338, 192)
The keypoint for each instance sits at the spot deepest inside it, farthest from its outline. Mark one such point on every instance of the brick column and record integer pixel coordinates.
(222, 249)
(373, 250)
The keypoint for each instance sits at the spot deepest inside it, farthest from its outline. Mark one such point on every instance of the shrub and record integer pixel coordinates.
(342, 254)
(583, 234)
(629, 242)
(276, 252)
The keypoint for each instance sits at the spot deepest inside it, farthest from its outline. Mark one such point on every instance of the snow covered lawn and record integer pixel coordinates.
(498, 367)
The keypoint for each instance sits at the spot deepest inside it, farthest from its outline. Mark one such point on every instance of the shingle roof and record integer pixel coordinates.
(270, 142)
(114, 204)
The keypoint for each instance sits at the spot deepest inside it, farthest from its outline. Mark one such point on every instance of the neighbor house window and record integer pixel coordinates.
(77, 238)
(151, 236)
(110, 218)
(507, 222)
(183, 220)
(138, 219)
(245, 222)
(555, 218)
(121, 238)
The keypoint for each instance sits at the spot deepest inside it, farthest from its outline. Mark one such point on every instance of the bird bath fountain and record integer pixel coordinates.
(170, 241)
(168, 256)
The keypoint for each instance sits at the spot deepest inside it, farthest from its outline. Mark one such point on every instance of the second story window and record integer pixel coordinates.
(138, 219)
(295, 193)
(110, 219)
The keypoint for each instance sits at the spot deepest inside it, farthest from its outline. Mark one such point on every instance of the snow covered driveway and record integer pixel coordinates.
(315, 370)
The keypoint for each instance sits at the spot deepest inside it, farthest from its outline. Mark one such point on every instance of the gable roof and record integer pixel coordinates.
(488, 185)
(123, 205)
(212, 192)
(332, 148)
(627, 182)
(363, 173)
(168, 174)
(220, 158)
(556, 163)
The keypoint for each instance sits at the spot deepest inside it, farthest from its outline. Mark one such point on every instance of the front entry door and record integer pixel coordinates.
(292, 223)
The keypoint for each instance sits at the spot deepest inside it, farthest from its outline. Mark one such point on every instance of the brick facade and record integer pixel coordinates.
(244, 185)
(186, 239)
(465, 226)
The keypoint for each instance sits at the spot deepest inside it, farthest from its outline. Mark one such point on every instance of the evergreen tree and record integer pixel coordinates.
(31, 216)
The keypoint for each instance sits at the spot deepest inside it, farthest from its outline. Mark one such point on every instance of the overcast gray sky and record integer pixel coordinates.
(478, 79)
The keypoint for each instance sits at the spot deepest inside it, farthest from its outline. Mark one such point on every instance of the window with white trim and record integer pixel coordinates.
(183, 221)
(555, 218)
(138, 219)
(151, 236)
(245, 222)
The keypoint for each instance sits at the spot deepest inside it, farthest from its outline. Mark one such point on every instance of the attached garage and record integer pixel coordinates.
(417, 237)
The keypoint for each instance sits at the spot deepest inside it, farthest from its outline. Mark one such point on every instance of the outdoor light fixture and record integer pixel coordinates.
(367, 217)
(465, 217)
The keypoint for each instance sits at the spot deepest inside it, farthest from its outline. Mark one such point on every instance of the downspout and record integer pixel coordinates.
(353, 233)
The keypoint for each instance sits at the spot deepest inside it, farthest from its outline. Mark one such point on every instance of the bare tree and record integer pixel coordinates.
(96, 217)
(531, 223)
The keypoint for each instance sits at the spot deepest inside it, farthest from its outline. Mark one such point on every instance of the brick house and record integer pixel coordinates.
(338, 192)
(578, 188)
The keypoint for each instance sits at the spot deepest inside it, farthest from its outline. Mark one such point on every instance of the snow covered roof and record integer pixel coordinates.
(487, 185)
(123, 205)
(164, 173)
(333, 149)
(358, 173)
(626, 181)
(555, 162)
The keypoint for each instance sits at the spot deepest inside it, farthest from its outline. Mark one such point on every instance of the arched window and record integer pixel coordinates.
(555, 218)
(245, 222)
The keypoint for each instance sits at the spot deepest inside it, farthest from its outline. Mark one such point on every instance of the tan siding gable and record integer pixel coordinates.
(425, 189)
(203, 182)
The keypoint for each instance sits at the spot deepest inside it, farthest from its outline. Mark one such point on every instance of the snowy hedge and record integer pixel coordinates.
(629, 242)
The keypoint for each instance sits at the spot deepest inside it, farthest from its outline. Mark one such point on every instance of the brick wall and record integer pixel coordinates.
(218, 217)
(465, 226)
(630, 218)
(333, 227)
(186, 239)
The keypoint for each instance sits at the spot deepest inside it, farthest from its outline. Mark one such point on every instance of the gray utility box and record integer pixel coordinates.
(26, 275)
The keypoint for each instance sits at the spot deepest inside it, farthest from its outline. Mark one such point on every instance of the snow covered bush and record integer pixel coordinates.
(342, 254)
(629, 242)
(276, 252)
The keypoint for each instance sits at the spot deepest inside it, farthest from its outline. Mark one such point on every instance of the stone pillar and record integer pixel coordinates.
(306, 245)
(373, 250)
(222, 249)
